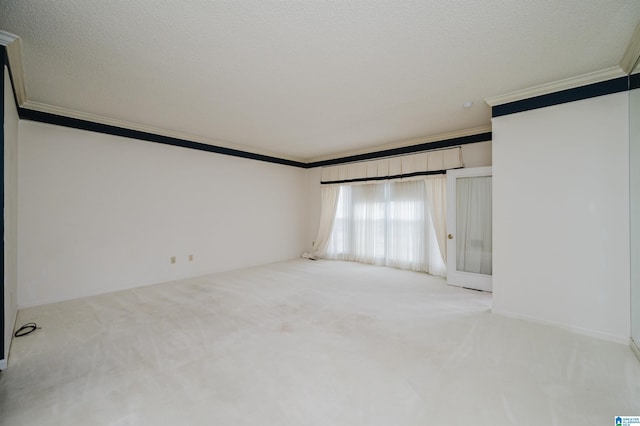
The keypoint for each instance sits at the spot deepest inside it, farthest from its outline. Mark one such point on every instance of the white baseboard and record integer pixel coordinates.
(49, 301)
(572, 328)
(4, 362)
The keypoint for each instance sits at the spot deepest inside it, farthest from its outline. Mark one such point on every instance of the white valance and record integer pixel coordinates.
(394, 167)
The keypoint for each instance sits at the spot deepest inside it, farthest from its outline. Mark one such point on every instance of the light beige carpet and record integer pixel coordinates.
(308, 343)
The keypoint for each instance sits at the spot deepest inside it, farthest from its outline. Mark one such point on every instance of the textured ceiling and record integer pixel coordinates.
(307, 79)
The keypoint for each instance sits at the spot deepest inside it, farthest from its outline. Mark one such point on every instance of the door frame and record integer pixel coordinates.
(454, 277)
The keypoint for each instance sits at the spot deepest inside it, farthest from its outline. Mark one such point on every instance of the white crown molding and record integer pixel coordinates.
(405, 143)
(14, 56)
(556, 86)
(632, 53)
(65, 112)
(13, 47)
(7, 38)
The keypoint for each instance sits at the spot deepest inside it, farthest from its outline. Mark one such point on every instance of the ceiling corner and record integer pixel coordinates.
(13, 46)
(556, 86)
(632, 53)
(404, 143)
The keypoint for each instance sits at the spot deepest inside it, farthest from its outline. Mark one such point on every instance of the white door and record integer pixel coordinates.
(469, 242)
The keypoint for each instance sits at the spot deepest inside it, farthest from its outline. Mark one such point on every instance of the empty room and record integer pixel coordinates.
(320, 213)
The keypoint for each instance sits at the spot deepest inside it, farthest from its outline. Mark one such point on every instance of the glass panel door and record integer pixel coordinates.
(473, 224)
(469, 228)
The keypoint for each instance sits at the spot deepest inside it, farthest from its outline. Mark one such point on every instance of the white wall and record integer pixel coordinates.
(473, 155)
(634, 200)
(10, 213)
(561, 216)
(99, 213)
(314, 176)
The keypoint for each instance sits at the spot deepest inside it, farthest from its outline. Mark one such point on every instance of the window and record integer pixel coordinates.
(386, 224)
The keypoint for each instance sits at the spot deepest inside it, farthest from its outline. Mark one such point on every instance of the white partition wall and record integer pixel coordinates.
(10, 215)
(561, 216)
(100, 213)
(634, 200)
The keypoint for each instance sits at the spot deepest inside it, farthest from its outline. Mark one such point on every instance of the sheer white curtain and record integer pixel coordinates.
(473, 225)
(386, 224)
(329, 203)
(436, 187)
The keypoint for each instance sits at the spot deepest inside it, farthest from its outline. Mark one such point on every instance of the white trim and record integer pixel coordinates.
(556, 86)
(8, 349)
(53, 300)
(7, 38)
(3, 364)
(14, 56)
(454, 277)
(65, 112)
(572, 328)
(632, 53)
(405, 143)
(41, 302)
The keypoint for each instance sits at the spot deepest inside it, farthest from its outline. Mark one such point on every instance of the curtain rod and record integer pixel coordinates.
(379, 178)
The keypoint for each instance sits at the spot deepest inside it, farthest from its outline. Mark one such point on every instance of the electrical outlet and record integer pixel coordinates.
(173, 259)
(190, 258)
